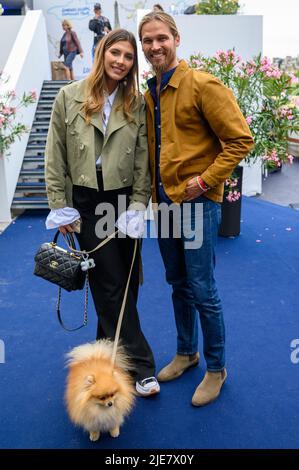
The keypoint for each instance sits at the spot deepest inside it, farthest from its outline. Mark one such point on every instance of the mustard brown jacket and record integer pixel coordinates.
(203, 132)
(73, 147)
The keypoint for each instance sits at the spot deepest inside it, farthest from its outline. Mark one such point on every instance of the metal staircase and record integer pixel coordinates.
(31, 188)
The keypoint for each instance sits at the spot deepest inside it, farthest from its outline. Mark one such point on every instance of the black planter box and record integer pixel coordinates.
(231, 211)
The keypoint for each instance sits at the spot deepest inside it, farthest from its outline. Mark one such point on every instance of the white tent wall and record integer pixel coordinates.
(26, 68)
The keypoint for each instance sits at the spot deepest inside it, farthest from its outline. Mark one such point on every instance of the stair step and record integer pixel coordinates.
(36, 187)
(42, 117)
(40, 127)
(42, 112)
(41, 121)
(47, 96)
(38, 159)
(37, 138)
(38, 134)
(44, 103)
(55, 82)
(49, 92)
(32, 172)
(37, 148)
(30, 203)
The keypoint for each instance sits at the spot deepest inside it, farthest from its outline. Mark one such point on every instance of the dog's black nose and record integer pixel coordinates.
(110, 403)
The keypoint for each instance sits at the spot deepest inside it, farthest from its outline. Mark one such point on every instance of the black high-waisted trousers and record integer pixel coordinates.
(108, 279)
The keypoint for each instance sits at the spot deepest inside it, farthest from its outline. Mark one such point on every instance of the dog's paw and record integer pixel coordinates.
(94, 436)
(114, 432)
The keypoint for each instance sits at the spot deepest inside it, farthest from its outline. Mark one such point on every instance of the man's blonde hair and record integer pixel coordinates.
(158, 16)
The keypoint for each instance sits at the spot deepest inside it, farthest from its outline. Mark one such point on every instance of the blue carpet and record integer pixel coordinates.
(259, 286)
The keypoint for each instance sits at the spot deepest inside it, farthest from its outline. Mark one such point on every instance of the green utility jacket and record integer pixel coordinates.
(73, 148)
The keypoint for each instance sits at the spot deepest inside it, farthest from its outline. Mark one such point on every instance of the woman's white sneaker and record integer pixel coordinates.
(147, 387)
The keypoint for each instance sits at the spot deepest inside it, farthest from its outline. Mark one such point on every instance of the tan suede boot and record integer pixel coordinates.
(177, 367)
(209, 389)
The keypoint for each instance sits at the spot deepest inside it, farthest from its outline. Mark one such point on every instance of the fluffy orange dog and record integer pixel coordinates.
(98, 396)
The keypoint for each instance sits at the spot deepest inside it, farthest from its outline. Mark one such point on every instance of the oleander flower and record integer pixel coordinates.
(10, 127)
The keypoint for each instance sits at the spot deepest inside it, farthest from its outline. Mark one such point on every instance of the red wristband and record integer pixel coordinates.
(202, 184)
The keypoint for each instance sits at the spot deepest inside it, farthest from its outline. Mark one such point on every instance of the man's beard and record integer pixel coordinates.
(160, 68)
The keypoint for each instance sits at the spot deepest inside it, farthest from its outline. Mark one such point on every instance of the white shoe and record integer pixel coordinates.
(148, 386)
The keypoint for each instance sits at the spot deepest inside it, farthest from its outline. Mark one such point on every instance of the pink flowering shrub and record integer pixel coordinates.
(10, 130)
(266, 96)
(231, 191)
(217, 7)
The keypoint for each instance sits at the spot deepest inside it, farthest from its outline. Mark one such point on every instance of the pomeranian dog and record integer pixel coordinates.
(98, 396)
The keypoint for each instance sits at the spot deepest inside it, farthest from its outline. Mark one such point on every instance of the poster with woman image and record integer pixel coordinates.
(79, 12)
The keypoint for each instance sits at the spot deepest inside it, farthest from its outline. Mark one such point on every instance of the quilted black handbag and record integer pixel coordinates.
(60, 266)
(64, 268)
(67, 269)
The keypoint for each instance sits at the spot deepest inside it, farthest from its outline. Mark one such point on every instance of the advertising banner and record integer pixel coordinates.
(79, 12)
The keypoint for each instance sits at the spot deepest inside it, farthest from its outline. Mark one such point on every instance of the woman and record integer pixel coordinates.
(69, 47)
(97, 153)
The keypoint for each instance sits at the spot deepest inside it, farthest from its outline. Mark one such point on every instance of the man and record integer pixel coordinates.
(100, 25)
(197, 135)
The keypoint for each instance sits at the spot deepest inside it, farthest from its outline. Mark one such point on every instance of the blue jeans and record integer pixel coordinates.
(190, 272)
(69, 58)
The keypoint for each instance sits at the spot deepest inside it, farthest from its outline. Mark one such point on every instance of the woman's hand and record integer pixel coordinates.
(66, 228)
(192, 190)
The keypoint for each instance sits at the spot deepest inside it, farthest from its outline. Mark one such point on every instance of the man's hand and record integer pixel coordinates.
(192, 190)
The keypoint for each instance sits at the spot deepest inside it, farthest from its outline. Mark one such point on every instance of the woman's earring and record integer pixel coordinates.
(125, 81)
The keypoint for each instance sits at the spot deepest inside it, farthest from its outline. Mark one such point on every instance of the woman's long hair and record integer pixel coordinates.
(96, 81)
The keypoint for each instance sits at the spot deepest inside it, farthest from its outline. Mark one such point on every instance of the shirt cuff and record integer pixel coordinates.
(58, 217)
(131, 223)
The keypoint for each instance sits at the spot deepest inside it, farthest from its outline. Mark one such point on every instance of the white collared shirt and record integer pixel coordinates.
(109, 100)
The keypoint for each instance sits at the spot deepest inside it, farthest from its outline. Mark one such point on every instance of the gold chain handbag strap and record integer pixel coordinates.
(85, 308)
(71, 248)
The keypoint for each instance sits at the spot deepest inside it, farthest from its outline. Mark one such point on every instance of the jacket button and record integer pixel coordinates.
(66, 120)
(82, 146)
(124, 180)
